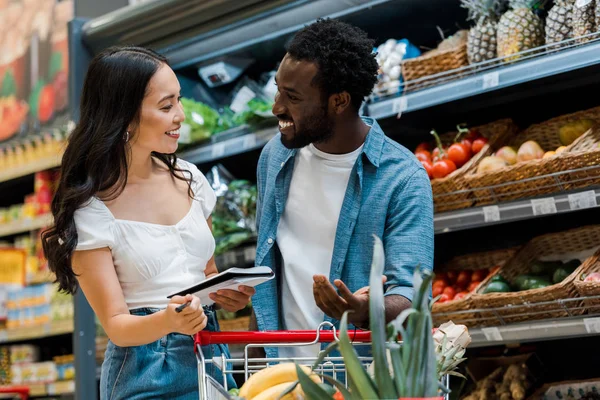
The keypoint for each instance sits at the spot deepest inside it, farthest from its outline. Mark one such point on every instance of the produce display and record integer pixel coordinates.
(440, 161)
(505, 383)
(481, 43)
(455, 285)
(234, 217)
(541, 274)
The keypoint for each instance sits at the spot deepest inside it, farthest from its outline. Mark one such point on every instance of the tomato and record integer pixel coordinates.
(338, 396)
(478, 144)
(459, 154)
(440, 282)
(463, 279)
(437, 290)
(428, 167)
(443, 168)
(460, 295)
(479, 275)
(423, 147)
(473, 285)
(423, 155)
(451, 277)
(444, 298)
(450, 291)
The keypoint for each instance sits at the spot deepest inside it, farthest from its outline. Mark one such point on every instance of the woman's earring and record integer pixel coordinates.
(126, 136)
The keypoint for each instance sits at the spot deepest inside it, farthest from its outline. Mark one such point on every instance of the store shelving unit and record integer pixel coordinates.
(36, 331)
(29, 168)
(25, 225)
(192, 35)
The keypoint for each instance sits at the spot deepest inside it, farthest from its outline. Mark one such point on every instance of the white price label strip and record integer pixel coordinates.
(492, 334)
(543, 206)
(399, 105)
(592, 325)
(218, 150)
(491, 214)
(491, 80)
(583, 200)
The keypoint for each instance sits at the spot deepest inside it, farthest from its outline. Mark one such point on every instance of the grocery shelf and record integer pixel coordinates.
(517, 210)
(30, 168)
(36, 332)
(487, 77)
(535, 331)
(230, 147)
(27, 225)
(52, 389)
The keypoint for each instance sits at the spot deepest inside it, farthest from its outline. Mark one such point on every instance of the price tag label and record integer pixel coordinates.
(543, 206)
(592, 325)
(491, 80)
(583, 200)
(492, 334)
(400, 105)
(249, 254)
(249, 141)
(218, 150)
(491, 214)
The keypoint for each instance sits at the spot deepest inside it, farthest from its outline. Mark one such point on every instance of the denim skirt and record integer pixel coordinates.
(165, 369)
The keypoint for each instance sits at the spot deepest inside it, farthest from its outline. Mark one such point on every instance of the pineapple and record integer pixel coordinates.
(597, 14)
(481, 43)
(520, 28)
(559, 22)
(584, 21)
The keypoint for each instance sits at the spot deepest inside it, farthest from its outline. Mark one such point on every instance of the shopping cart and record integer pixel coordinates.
(210, 389)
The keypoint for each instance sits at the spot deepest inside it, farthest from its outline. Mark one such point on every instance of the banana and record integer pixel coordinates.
(273, 392)
(272, 376)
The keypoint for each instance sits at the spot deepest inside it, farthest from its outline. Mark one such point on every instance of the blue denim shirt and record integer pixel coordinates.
(388, 194)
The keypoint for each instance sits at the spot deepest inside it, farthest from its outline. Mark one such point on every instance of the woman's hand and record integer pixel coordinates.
(190, 320)
(233, 300)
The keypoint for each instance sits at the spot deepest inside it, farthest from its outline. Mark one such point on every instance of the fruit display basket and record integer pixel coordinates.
(589, 288)
(447, 310)
(430, 64)
(515, 181)
(451, 192)
(540, 298)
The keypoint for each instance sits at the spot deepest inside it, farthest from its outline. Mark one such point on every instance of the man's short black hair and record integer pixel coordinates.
(344, 55)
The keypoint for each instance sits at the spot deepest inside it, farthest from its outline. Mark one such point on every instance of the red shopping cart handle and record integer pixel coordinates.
(205, 338)
(22, 391)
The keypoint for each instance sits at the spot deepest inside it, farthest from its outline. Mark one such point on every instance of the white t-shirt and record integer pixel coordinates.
(152, 260)
(306, 235)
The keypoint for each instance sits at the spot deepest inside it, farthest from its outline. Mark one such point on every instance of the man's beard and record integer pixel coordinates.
(316, 129)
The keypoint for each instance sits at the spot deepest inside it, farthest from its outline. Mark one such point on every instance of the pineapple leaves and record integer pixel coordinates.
(312, 390)
(384, 382)
(362, 383)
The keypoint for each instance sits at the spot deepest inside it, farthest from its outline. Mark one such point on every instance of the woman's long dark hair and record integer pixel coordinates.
(95, 159)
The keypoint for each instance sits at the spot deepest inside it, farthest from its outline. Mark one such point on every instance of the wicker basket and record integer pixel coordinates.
(432, 63)
(451, 192)
(588, 289)
(534, 178)
(444, 312)
(539, 303)
(234, 325)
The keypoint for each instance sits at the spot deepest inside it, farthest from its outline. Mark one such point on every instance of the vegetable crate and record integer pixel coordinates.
(545, 300)
(453, 310)
(590, 288)
(539, 177)
(210, 389)
(451, 192)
